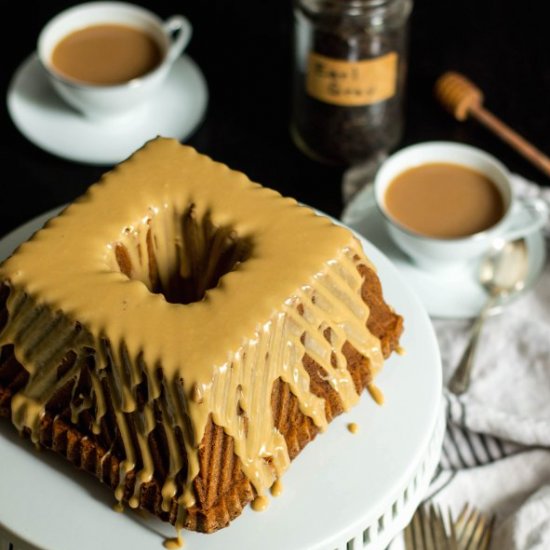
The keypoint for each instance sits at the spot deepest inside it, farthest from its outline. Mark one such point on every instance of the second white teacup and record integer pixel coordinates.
(108, 101)
(520, 216)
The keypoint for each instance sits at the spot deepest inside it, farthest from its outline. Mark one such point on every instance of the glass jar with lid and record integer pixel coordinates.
(349, 77)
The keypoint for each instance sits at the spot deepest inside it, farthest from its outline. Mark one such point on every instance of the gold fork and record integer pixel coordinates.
(430, 530)
(474, 529)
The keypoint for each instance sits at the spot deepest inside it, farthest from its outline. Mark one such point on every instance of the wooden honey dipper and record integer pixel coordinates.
(462, 98)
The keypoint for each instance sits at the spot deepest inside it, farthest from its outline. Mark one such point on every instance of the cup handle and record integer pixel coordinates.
(179, 26)
(529, 215)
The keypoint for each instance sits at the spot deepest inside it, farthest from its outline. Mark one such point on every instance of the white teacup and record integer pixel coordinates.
(108, 101)
(521, 216)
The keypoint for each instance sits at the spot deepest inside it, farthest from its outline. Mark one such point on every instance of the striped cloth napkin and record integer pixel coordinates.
(496, 452)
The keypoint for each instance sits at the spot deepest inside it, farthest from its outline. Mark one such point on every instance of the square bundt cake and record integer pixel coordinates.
(182, 333)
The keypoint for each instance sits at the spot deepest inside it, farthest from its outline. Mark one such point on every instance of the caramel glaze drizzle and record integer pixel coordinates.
(276, 489)
(353, 427)
(260, 503)
(217, 356)
(174, 543)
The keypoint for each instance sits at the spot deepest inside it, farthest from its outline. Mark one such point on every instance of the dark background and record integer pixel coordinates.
(245, 49)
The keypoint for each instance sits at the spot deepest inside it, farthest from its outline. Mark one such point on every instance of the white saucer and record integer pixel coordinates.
(48, 122)
(450, 293)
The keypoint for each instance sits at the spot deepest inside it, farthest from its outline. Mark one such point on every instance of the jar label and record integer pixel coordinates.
(351, 83)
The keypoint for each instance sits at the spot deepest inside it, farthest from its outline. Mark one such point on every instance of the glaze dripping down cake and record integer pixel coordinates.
(182, 333)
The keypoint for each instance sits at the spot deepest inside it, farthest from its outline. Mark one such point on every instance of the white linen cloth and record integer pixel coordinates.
(496, 451)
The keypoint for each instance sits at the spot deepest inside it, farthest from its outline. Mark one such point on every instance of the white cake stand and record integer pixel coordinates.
(343, 492)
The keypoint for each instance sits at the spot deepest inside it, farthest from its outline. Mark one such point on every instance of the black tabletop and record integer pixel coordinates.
(245, 50)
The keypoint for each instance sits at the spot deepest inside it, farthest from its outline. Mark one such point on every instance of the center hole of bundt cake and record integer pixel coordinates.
(184, 266)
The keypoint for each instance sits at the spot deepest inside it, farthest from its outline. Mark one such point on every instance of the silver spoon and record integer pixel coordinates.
(502, 272)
